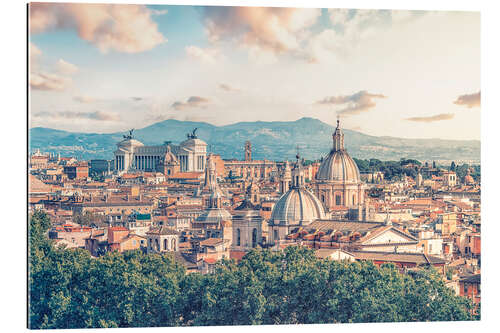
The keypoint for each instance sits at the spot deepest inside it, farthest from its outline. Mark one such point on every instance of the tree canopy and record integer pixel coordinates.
(70, 289)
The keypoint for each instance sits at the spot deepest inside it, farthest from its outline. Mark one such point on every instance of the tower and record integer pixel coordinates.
(286, 178)
(210, 173)
(248, 151)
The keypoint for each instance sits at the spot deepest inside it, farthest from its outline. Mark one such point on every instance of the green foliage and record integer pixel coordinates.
(391, 169)
(70, 289)
(88, 218)
(96, 176)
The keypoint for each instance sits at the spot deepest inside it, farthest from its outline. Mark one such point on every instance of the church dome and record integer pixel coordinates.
(297, 206)
(338, 166)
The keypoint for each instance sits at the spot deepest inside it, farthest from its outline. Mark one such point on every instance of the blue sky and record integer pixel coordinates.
(104, 68)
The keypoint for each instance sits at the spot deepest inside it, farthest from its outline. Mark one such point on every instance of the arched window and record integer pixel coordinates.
(323, 198)
(173, 244)
(353, 198)
(238, 237)
(254, 237)
(157, 244)
(165, 244)
(338, 200)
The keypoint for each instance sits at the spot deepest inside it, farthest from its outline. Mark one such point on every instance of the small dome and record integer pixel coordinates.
(214, 215)
(469, 179)
(338, 166)
(170, 157)
(297, 206)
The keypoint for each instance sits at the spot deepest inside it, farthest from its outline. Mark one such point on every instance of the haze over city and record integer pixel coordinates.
(395, 73)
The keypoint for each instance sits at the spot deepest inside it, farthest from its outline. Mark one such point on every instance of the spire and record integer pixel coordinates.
(298, 173)
(338, 137)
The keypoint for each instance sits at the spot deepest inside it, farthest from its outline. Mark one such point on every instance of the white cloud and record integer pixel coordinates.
(123, 28)
(207, 55)
(65, 67)
(264, 31)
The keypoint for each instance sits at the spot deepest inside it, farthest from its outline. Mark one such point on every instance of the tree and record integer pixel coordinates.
(70, 289)
(88, 218)
(453, 166)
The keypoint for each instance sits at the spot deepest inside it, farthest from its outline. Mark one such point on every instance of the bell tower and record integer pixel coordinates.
(248, 151)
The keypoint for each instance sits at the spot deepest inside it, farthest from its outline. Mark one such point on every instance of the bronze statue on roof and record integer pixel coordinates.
(193, 134)
(129, 136)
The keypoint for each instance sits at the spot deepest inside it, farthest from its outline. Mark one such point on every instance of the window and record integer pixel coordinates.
(338, 200)
(238, 237)
(254, 237)
(165, 244)
(275, 235)
(173, 244)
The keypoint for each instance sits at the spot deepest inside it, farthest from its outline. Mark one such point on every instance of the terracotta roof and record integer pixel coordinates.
(416, 258)
(117, 229)
(163, 230)
(237, 255)
(374, 233)
(210, 261)
(187, 175)
(476, 278)
(342, 226)
(325, 253)
(212, 241)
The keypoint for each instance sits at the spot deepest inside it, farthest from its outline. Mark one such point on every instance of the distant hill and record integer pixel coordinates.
(272, 140)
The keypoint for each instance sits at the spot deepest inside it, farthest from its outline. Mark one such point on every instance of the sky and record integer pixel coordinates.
(105, 67)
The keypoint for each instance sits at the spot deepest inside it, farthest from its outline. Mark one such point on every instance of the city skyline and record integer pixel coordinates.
(124, 66)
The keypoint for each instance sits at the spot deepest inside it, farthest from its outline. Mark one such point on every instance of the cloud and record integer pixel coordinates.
(96, 115)
(40, 79)
(84, 99)
(274, 30)
(207, 55)
(469, 100)
(158, 12)
(429, 119)
(192, 102)
(65, 67)
(228, 88)
(350, 27)
(356, 103)
(34, 56)
(48, 81)
(123, 28)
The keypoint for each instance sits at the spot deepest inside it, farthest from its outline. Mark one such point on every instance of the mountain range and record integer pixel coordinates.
(277, 140)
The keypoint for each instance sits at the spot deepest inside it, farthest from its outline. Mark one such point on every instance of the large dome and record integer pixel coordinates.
(297, 206)
(338, 166)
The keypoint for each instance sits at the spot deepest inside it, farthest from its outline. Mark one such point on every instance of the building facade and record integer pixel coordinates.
(190, 155)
